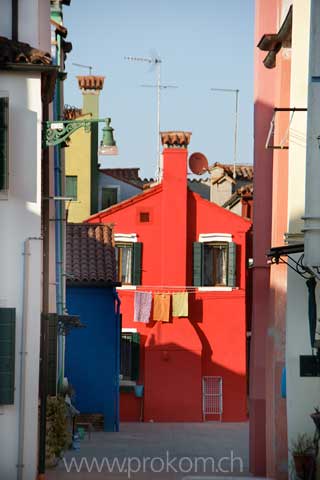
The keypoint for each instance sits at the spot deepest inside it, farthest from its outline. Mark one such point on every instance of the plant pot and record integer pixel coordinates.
(305, 466)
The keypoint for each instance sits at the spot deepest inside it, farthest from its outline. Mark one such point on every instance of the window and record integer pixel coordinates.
(72, 187)
(128, 259)
(214, 264)
(109, 196)
(144, 217)
(130, 356)
(4, 141)
(7, 355)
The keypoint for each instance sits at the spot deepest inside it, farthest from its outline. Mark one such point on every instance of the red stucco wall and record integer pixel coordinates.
(212, 341)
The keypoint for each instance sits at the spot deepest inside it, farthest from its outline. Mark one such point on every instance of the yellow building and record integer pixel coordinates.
(81, 157)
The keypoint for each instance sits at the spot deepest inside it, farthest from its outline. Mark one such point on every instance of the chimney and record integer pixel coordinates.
(90, 86)
(174, 207)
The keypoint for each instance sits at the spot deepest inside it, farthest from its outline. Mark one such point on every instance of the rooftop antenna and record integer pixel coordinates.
(236, 91)
(89, 67)
(155, 62)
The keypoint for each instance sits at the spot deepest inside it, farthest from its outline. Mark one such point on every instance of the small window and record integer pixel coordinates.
(130, 353)
(214, 264)
(144, 217)
(109, 196)
(4, 142)
(72, 186)
(128, 260)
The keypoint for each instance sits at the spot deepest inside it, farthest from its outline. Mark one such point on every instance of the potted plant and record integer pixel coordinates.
(316, 418)
(303, 451)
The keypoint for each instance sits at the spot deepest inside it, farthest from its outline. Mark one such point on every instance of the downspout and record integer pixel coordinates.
(23, 352)
(312, 194)
(117, 338)
(58, 226)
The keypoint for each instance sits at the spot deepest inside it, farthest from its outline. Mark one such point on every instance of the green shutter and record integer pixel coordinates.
(136, 263)
(4, 110)
(7, 355)
(72, 186)
(135, 356)
(232, 264)
(197, 263)
(52, 345)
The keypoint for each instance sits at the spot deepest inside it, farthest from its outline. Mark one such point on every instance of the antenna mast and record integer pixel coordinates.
(84, 66)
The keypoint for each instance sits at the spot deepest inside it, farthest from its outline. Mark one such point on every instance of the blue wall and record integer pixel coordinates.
(92, 353)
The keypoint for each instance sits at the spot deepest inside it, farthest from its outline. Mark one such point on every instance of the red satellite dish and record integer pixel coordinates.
(198, 163)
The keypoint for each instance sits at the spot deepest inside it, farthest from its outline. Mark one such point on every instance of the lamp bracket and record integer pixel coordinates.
(56, 132)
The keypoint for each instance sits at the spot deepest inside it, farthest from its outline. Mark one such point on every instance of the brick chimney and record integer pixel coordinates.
(90, 86)
(174, 207)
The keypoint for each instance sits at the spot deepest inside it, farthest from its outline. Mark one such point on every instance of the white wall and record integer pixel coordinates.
(20, 219)
(5, 18)
(303, 394)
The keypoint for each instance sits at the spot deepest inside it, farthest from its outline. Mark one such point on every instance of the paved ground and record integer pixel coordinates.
(160, 451)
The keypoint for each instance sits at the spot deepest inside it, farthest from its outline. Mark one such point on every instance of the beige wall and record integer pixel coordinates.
(77, 162)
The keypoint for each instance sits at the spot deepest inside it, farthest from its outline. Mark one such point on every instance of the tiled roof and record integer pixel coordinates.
(175, 139)
(90, 255)
(90, 82)
(17, 52)
(128, 175)
(242, 171)
(244, 191)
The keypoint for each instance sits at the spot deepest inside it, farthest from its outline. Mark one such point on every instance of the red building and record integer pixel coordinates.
(169, 240)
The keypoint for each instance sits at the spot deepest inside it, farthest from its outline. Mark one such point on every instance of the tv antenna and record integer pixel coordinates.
(236, 91)
(89, 67)
(155, 61)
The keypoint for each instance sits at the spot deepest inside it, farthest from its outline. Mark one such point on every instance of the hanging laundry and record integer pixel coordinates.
(142, 306)
(180, 304)
(161, 307)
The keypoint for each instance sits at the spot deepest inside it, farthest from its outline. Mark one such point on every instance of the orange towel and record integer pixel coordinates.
(161, 307)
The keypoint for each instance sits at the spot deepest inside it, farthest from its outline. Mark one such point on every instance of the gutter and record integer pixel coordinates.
(117, 339)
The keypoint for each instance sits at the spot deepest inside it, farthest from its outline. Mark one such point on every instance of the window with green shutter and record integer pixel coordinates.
(4, 142)
(130, 356)
(7, 355)
(52, 345)
(72, 186)
(214, 264)
(129, 263)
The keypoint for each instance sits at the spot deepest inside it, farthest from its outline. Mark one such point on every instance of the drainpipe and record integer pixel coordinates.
(58, 225)
(312, 194)
(118, 337)
(23, 352)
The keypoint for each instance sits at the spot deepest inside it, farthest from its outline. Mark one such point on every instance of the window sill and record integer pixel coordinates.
(126, 386)
(216, 289)
(127, 287)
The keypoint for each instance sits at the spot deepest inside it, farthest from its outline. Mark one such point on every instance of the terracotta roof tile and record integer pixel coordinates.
(128, 175)
(90, 253)
(17, 52)
(90, 82)
(175, 139)
(242, 171)
(71, 113)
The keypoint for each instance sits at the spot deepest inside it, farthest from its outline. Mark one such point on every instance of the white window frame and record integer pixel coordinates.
(126, 238)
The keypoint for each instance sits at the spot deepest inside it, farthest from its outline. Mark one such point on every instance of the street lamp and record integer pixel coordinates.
(236, 91)
(57, 132)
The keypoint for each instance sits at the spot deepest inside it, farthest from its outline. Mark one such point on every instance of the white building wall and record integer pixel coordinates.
(125, 190)
(303, 394)
(20, 218)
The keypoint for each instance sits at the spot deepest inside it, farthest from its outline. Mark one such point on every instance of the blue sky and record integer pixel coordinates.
(202, 44)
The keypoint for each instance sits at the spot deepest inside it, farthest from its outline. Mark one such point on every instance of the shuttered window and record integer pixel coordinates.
(129, 263)
(4, 142)
(7, 355)
(72, 186)
(130, 356)
(52, 320)
(214, 264)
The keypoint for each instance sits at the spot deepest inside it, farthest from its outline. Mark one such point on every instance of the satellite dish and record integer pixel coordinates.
(198, 163)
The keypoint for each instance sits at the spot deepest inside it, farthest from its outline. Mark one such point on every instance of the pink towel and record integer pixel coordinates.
(142, 306)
